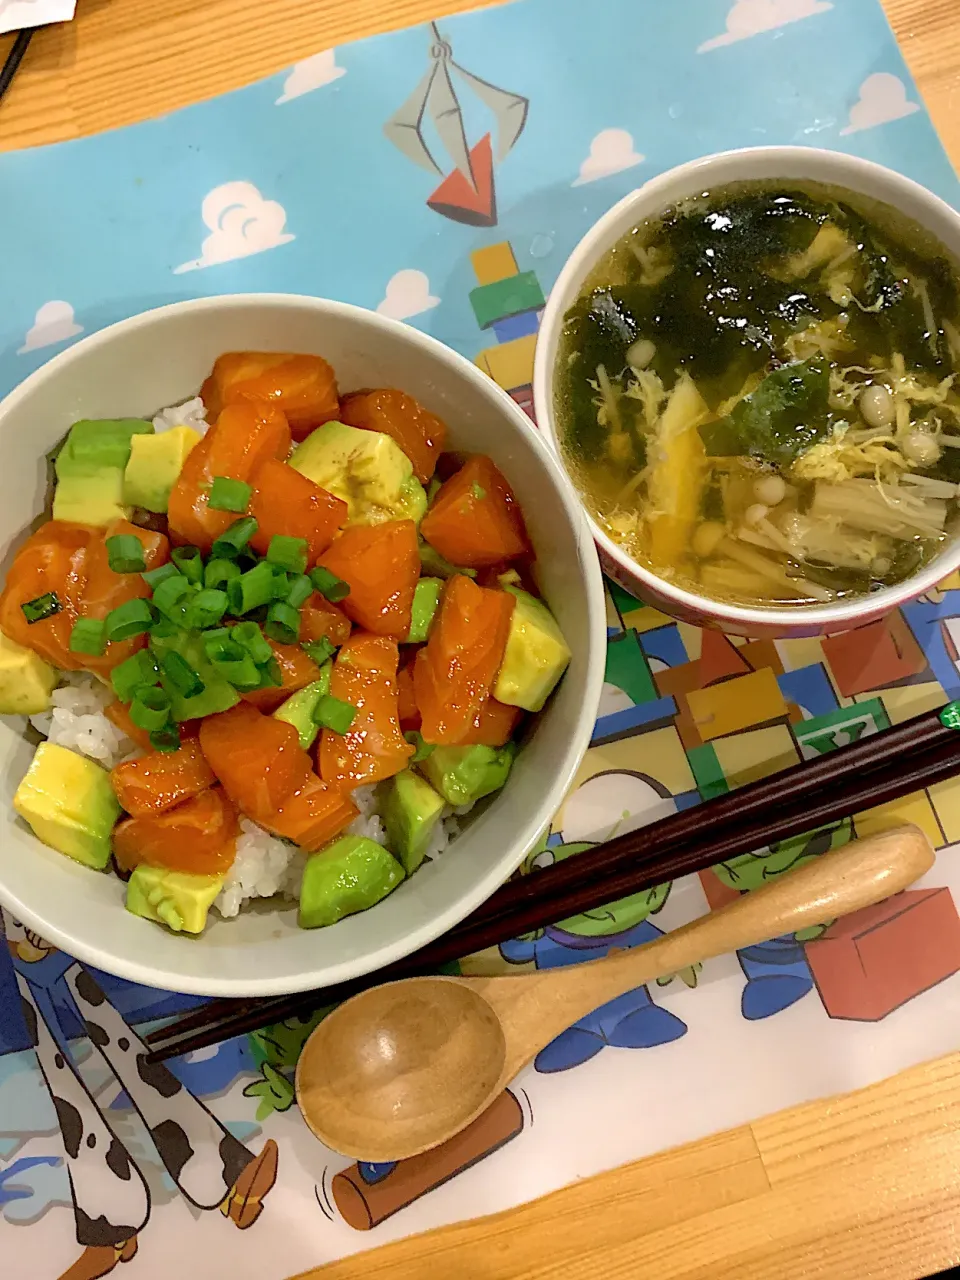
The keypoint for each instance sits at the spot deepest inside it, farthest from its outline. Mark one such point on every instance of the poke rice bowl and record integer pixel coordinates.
(159, 359)
(921, 219)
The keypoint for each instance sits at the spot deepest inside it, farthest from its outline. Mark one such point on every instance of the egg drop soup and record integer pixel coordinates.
(758, 395)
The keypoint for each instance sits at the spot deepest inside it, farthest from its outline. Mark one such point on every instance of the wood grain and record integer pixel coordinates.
(864, 1187)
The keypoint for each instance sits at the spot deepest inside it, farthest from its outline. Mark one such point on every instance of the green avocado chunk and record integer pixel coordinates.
(218, 694)
(367, 469)
(299, 707)
(69, 802)
(536, 655)
(426, 598)
(174, 898)
(464, 775)
(155, 463)
(410, 815)
(350, 875)
(26, 681)
(93, 446)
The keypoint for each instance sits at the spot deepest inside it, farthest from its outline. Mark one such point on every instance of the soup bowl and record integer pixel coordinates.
(161, 358)
(789, 165)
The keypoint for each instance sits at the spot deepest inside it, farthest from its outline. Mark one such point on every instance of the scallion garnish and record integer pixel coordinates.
(130, 675)
(289, 554)
(249, 636)
(421, 749)
(220, 572)
(252, 589)
(132, 618)
(150, 708)
(329, 585)
(179, 673)
(125, 553)
(283, 623)
(229, 495)
(88, 636)
(230, 543)
(190, 563)
(44, 606)
(319, 650)
(333, 713)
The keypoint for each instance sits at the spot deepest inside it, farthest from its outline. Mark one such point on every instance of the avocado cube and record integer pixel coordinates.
(26, 681)
(91, 499)
(464, 775)
(536, 655)
(155, 463)
(426, 598)
(410, 815)
(367, 469)
(174, 898)
(299, 707)
(94, 446)
(350, 875)
(69, 803)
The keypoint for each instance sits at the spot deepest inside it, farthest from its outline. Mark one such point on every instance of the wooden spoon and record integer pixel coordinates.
(405, 1066)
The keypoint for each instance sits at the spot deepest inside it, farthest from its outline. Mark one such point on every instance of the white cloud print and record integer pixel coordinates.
(53, 323)
(752, 17)
(311, 73)
(610, 152)
(883, 97)
(241, 223)
(407, 295)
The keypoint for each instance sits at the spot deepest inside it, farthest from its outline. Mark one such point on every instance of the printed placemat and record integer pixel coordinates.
(441, 175)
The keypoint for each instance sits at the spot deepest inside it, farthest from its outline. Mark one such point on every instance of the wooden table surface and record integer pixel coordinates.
(863, 1187)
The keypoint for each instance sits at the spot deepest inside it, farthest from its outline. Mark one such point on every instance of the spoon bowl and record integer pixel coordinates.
(413, 1061)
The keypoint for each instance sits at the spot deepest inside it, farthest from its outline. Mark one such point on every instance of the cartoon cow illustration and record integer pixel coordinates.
(111, 1198)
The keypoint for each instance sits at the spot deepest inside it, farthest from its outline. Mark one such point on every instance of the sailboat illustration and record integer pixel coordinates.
(468, 190)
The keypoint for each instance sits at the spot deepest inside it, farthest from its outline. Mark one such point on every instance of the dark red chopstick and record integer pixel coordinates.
(880, 786)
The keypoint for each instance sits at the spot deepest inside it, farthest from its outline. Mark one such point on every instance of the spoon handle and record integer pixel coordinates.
(534, 1008)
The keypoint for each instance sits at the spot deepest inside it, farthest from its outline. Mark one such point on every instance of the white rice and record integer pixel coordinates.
(76, 720)
(192, 413)
(264, 866)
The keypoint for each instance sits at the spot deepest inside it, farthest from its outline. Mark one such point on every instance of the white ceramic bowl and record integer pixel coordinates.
(161, 358)
(786, 164)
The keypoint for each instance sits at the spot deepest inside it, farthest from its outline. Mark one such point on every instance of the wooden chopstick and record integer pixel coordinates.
(881, 785)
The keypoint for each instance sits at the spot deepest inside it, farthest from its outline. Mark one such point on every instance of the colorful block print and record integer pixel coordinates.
(874, 961)
(820, 734)
(880, 654)
(735, 705)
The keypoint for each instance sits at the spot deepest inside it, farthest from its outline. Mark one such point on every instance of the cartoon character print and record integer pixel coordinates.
(60, 999)
(631, 1021)
(777, 971)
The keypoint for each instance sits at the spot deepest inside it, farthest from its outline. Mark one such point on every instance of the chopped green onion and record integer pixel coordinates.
(215, 635)
(229, 495)
(163, 629)
(235, 664)
(333, 713)
(281, 584)
(44, 606)
(329, 585)
(251, 589)
(270, 675)
(190, 563)
(153, 577)
(150, 709)
(319, 650)
(88, 636)
(299, 591)
(165, 739)
(127, 677)
(170, 592)
(206, 608)
(249, 636)
(283, 623)
(133, 618)
(219, 572)
(125, 553)
(181, 675)
(232, 542)
(478, 492)
(422, 749)
(288, 553)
